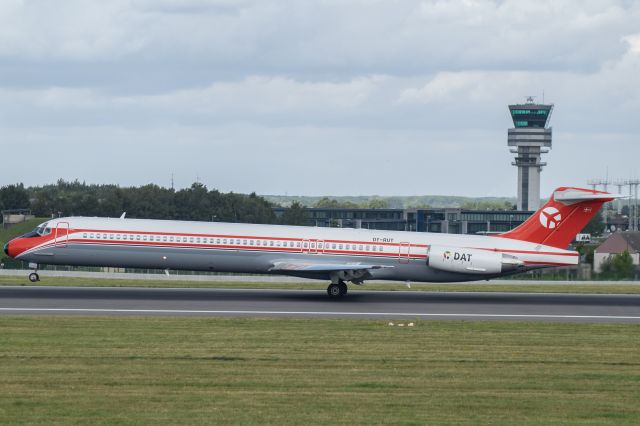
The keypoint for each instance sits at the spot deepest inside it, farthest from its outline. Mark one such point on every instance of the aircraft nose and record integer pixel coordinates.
(6, 249)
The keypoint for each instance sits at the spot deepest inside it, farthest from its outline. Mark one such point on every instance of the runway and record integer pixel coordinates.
(40, 300)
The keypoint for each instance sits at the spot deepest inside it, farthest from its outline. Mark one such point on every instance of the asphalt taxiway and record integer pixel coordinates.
(39, 300)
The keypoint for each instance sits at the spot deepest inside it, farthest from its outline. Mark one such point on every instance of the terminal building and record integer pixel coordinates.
(444, 220)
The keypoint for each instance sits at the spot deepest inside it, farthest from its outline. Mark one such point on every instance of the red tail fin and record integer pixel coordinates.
(565, 214)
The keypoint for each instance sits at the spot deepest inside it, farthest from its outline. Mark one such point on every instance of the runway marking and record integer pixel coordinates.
(325, 313)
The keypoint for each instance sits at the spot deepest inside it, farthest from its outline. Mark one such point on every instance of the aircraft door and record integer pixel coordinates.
(62, 234)
(404, 251)
(312, 246)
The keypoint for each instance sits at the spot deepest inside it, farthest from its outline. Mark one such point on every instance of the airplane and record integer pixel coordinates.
(337, 255)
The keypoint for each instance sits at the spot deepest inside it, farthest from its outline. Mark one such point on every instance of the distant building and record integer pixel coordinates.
(617, 243)
(443, 220)
(14, 217)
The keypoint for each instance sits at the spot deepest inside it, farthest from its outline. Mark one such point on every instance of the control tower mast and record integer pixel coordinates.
(529, 139)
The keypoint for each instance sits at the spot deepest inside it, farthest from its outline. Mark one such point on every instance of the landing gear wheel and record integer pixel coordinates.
(34, 277)
(334, 291)
(343, 288)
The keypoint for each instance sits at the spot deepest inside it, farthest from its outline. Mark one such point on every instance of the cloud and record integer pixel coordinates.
(368, 89)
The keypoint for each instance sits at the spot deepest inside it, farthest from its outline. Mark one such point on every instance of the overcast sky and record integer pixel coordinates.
(343, 97)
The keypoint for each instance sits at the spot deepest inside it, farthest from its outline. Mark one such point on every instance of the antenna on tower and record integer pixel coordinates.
(172, 185)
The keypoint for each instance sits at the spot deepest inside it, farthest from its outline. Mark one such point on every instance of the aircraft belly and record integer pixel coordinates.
(216, 260)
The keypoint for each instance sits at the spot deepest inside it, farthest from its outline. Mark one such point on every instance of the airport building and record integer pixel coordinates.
(444, 220)
(529, 139)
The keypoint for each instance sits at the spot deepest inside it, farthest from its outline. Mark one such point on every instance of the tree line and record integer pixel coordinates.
(148, 201)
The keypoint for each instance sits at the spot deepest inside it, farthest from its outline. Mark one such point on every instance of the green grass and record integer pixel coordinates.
(496, 286)
(127, 370)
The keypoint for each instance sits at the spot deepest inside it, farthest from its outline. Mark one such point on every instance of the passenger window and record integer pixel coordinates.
(367, 248)
(224, 241)
(218, 241)
(198, 240)
(298, 244)
(278, 243)
(250, 242)
(164, 238)
(138, 237)
(333, 246)
(190, 239)
(111, 236)
(98, 236)
(171, 239)
(271, 243)
(340, 247)
(381, 248)
(360, 248)
(306, 245)
(84, 235)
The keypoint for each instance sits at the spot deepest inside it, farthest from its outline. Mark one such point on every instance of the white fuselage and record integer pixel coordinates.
(246, 248)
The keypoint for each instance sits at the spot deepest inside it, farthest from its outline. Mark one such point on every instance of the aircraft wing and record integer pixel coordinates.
(285, 266)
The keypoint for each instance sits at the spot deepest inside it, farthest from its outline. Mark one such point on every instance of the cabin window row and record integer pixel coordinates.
(232, 241)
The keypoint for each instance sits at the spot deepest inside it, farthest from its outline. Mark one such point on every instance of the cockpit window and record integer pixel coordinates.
(43, 229)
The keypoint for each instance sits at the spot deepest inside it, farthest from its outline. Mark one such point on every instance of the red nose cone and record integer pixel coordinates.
(6, 249)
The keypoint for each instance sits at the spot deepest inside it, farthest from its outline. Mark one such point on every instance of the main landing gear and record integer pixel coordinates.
(336, 291)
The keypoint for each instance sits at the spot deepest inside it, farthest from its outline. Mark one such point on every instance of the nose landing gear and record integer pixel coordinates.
(34, 277)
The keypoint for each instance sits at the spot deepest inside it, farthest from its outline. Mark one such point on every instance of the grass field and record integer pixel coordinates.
(130, 370)
(495, 286)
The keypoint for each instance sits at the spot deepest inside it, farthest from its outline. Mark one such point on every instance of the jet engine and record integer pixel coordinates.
(471, 261)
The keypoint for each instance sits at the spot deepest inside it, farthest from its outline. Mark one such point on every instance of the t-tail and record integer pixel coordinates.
(558, 222)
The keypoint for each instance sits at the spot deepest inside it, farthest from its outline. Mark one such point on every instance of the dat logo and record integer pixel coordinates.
(457, 256)
(550, 217)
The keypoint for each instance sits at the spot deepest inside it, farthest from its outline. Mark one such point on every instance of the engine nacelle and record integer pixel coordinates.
(471, 261)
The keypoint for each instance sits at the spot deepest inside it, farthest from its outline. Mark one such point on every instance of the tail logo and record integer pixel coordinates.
(550, 217)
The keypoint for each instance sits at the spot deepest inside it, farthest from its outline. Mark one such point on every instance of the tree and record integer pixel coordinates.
(619, 266)
(595, 225)
(295, 215)
(330, 203)
(14, 197)
(377, 203)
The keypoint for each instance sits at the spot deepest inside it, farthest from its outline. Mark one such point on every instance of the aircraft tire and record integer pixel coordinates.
(34, 277)
(335, 291)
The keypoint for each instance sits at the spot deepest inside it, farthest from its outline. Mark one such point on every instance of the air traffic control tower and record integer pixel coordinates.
(529, 139)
